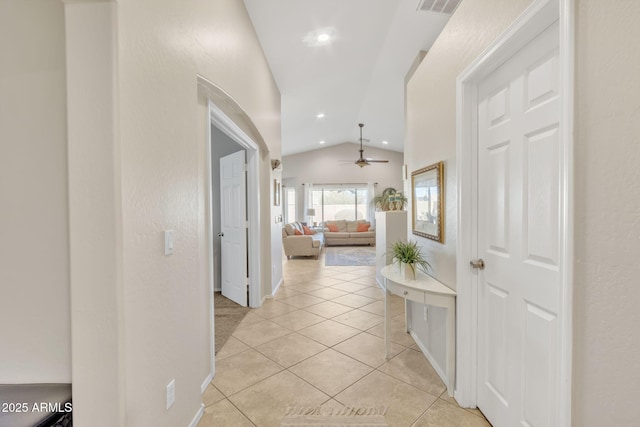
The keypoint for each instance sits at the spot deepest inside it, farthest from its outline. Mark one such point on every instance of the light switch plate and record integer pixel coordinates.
(168, 242)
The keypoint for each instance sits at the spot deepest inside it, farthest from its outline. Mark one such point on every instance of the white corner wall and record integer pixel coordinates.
(95, 222)
(34, 256)
(431, 134)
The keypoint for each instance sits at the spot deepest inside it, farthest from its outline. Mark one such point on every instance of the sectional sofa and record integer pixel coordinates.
(343, 232)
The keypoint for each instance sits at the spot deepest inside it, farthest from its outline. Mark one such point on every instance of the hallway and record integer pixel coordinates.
(319, 342)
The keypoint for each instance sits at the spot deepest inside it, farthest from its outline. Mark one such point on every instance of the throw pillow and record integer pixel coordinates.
(307, 230)
(333, 228)
(363, 227)
(298, 232)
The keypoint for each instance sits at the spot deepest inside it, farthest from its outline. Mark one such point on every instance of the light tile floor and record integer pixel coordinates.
(319, 341)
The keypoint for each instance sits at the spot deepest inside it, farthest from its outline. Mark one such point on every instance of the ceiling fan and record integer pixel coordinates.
(362, 162)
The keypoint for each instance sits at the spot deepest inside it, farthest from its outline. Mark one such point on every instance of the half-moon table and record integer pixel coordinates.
(425, 290)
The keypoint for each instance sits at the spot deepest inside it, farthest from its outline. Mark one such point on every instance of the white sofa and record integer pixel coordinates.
(348, 233)
(304, 245)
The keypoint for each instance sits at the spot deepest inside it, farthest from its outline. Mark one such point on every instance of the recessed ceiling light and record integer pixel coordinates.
(385, 142)
(320, 37)
(321, 142)
(320, 115)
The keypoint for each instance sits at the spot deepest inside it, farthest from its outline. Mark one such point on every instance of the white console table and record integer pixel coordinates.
(425, 290)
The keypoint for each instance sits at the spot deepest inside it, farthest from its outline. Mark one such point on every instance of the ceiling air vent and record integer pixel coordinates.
(445, 7)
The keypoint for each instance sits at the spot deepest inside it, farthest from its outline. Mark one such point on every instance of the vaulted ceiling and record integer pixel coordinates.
(356, 76)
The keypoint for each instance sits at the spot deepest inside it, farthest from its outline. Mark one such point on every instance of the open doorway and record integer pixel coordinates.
(222, 123)
(224, 138)
(229, 217)
(222, 146)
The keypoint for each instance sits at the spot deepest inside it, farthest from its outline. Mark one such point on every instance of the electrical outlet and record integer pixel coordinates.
(171, 393)
(426, 314)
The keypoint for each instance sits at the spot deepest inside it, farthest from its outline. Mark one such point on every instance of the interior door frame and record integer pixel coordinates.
(220, 120)
(217, 118)
(539, 15)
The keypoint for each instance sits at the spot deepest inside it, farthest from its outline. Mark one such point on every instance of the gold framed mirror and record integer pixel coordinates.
(427, 202)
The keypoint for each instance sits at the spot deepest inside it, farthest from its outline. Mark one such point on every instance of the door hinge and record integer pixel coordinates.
(245, 167)
(247, 282)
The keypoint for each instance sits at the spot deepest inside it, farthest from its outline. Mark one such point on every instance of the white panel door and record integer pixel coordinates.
(519, 196)
(233, 235)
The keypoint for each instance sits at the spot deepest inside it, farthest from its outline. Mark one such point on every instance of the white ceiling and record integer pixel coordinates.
(358, 77)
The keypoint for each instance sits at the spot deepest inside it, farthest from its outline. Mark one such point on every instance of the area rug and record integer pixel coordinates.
(350, 255)
(228, 316)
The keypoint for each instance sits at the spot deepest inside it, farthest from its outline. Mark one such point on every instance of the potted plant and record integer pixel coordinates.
(390, 200)
(409, 257)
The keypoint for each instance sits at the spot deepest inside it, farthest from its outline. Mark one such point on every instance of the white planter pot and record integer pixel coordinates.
(408, 271)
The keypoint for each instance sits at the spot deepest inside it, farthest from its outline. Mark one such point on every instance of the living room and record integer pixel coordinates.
(333, 168)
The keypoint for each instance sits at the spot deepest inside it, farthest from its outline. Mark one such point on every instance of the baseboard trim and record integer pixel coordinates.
(273, 294)
(206, 383)
(430, 358)
(196, 419)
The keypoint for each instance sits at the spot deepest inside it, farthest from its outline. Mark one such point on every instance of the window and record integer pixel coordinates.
(290, 205)
(334, 202)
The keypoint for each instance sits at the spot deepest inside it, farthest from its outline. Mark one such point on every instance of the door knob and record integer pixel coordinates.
(477, 263)
(221, 234)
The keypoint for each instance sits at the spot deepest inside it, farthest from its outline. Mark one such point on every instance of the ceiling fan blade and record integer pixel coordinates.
(377, 161)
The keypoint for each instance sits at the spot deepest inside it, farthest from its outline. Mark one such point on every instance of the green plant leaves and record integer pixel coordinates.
(410, 253)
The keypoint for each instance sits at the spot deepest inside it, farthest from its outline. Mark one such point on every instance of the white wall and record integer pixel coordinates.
(34, 255)
(431, 136)
(607, 214)
(159, 165)
(606, 342)
(335, 165)
(163, 46)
